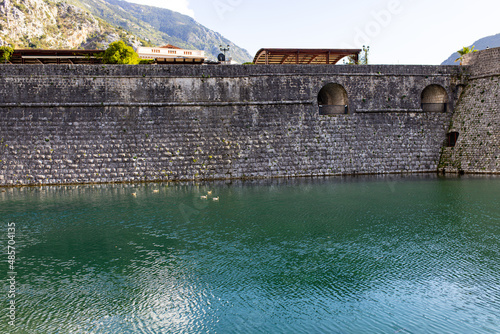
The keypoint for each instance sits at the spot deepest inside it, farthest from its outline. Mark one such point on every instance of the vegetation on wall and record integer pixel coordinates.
(465, 50)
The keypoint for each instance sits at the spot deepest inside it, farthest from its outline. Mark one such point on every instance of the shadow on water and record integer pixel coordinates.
(345, 255)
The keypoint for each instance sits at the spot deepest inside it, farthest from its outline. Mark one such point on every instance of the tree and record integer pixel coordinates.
(362, 60)
(465, 50)
(5, 53)
(120, 53)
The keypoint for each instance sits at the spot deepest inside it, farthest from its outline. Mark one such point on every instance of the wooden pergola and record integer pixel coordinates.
(303, 56)
(49, 56)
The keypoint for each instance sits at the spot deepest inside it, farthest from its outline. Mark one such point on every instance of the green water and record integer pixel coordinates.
(339, 255)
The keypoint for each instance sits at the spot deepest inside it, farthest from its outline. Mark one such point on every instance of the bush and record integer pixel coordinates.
(5, 53)
(20, 6)
(120, 53)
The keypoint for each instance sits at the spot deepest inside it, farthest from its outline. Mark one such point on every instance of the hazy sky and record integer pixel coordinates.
(397, 31)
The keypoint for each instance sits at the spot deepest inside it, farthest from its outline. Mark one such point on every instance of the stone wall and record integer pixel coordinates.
(483, 63)
(477, 118)
(91, 124)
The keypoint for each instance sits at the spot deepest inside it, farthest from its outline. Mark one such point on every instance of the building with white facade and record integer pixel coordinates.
(170, 54)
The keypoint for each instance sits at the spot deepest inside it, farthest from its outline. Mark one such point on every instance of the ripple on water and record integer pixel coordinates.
(309, 256)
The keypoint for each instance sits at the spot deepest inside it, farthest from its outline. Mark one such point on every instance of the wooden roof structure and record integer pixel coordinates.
(170, 46)
(303, 56)
(47, 56)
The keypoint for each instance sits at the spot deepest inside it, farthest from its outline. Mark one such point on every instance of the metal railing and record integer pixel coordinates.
(434, 107)
(333, 110)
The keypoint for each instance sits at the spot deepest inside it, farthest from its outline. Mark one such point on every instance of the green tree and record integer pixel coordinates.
(362, 58)
(465, 50)
(5, 53)
(120, 53)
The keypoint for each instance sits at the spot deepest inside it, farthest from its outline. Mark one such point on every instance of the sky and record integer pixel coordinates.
(397, 31)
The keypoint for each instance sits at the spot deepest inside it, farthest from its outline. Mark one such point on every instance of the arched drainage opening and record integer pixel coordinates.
(434, 99)
(452, 138)
(332, 100)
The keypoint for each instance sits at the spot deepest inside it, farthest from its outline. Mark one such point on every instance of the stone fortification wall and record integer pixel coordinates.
(86, 124)
(476, 121)
(483, 63)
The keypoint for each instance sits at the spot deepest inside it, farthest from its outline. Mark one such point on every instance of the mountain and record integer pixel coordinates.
(96, 23)
(483, 43)
(57, 25)
(162, 26)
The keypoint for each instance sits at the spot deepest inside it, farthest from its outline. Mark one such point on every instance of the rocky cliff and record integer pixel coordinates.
(55, 24)
(93, 24)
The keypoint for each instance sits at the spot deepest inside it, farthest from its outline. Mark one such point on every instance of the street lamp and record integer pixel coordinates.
(224, 49)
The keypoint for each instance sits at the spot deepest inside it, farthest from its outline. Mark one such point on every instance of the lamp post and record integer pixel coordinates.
(224, 49)
(222, 56)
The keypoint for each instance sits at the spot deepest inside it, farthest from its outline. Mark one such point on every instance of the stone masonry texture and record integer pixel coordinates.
(63, 124)
(477, 118)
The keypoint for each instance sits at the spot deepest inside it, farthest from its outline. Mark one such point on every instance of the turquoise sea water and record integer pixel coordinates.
(338, 255)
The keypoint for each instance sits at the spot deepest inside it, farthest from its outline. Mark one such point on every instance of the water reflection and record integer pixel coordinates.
(347, 255)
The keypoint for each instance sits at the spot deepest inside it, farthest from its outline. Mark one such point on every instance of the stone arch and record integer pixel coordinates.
(333, 100)
(434, 98)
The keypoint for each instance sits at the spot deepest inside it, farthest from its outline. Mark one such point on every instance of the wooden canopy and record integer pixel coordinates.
(303, 56)
(48, 56)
